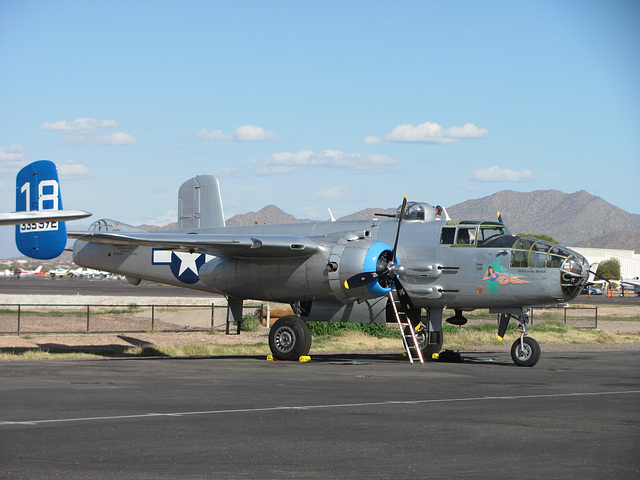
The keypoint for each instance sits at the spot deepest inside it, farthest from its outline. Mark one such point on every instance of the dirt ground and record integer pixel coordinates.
(60, 342)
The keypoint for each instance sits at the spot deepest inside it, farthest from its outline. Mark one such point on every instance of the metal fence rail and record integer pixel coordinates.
(82, 318)
(577, 317)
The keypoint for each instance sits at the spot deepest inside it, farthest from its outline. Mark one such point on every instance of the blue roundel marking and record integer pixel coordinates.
(370, 265)
(182, 267)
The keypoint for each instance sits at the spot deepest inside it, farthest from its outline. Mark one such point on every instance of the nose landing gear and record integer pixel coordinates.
(525, 352)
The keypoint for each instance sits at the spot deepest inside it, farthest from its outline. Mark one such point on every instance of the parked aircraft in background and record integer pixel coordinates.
(59, 272)
(19, 272)
(632, 285)
(346, 271)
(39, 217)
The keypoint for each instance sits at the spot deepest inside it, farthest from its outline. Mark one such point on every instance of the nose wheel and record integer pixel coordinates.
(525, 352)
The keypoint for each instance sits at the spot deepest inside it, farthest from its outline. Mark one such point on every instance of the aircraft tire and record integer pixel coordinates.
(289, 338)
(427, 349)
(527, 356)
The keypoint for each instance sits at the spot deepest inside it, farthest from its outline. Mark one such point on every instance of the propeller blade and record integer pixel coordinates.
(409, 310)
(361, 279)
(502, 326)
(365, 278)
(596, 275)
(395, 244)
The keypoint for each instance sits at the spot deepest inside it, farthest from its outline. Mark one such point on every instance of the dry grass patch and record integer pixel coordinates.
(353, 341)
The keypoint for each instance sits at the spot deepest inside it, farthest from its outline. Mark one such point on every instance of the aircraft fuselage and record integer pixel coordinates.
(447, 264)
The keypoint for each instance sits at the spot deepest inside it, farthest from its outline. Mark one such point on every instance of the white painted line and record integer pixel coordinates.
(310, 407)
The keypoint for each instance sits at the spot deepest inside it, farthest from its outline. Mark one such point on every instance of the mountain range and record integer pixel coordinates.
(574, 219)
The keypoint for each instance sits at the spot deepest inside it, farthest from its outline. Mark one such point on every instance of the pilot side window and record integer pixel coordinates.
(447, 236)
(466, 236)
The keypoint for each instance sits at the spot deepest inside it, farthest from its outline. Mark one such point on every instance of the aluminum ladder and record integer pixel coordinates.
(406, 338)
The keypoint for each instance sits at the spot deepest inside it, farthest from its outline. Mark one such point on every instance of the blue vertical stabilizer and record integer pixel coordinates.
(38, 189)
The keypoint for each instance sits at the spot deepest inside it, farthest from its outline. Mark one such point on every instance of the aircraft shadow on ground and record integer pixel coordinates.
(149, 351)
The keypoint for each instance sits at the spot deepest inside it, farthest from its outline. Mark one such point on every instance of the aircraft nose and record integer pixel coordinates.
(574, 274)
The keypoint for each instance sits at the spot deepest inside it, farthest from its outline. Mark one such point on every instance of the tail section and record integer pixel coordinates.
(38, 190)
(200, 203)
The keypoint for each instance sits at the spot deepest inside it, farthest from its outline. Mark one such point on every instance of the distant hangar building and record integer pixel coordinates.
(629, 260)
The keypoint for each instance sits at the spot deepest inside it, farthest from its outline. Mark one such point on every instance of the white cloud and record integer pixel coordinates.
(80, 125)
(170, 217)
(12, 159)
(330, 193)
(12, 153)
(251, 133)
(215, 135)
(113, 139)
(373, 141)
(119, 138)
(429, 132)
(496, 174)
(83, 131)
(245, 133)
(73, 169)
(326, 158)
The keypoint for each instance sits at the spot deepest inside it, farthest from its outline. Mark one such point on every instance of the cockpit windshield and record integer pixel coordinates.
(481, 234)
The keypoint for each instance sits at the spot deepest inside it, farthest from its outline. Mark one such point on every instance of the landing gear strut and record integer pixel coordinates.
(525, 352)
(429, 342)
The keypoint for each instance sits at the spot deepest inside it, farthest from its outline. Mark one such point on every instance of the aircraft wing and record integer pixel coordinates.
(37, 216)
(227, 245)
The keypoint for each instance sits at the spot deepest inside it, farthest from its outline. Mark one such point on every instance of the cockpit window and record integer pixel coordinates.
(477, 234)
(491, 232)
(447, 236)
(466, 236)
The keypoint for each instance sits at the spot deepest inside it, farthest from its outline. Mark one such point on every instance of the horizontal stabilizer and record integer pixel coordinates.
(17, 218)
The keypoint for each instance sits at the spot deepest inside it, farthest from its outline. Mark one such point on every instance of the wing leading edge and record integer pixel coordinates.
(248, 246)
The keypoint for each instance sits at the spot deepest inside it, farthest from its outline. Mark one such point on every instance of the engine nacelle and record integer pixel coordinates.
(358, 257)
(319, 277)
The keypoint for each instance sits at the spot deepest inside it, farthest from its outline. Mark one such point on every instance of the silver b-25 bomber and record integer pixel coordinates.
(413, 264)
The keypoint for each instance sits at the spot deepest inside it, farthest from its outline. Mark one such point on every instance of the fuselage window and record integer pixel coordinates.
(447, 236)
(537, 259)
(519, 258)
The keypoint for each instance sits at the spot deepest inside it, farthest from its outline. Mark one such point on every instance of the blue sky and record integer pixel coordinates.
(309, 105)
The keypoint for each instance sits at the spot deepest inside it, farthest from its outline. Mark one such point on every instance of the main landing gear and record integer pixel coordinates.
(289, 338)
(429, 342)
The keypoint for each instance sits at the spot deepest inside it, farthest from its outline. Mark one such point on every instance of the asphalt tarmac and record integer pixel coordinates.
(574, 415)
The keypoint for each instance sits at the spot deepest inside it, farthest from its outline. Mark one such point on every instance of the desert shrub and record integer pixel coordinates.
(379, 330)
(250, 323)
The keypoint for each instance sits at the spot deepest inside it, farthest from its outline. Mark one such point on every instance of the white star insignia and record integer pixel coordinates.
(187, 262)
